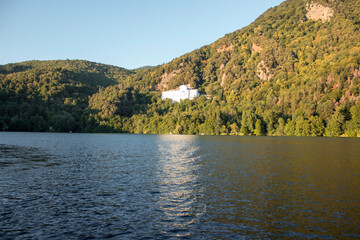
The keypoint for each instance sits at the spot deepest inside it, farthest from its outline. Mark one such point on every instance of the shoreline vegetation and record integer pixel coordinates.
(174, 134)
(289, 73)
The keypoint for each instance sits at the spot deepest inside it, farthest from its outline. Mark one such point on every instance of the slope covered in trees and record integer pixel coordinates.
(294, 71)
(38, 95)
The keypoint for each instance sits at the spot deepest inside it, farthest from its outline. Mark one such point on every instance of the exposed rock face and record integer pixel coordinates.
(224, 48)
(263, 72)
(255, 48)
(317, 11)
(356, 72)
(223, 78)
(165, 78)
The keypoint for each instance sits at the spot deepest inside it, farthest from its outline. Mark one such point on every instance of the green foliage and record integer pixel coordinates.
(316, 126)
(334, 126)
(289, 129)
(51, 95)
(280, 130)
(258, 128)
(353, 125)
(282, 75)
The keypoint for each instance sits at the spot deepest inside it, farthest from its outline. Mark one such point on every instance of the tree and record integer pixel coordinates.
(178, 129)
(234, 128)
(224, 130)
(247, 122)
(258, 128)
(281, 127)
(38, 124)
(302, 127)
(289, 128)
(316, 126)
(269, 117)
(353, 125)
(333, 128)
(63, 122)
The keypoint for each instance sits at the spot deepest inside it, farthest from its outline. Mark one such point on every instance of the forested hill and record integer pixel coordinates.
(294, 71)
(38, 95)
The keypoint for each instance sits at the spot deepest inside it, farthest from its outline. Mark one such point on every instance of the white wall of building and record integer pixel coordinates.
(184, 92)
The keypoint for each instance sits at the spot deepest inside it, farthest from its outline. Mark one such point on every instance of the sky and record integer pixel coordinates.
(124, 33)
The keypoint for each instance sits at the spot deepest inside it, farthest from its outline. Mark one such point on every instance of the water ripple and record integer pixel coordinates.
(77, 186)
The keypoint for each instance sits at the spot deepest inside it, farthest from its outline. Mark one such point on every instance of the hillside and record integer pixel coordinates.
(35, 95)
(293, 71)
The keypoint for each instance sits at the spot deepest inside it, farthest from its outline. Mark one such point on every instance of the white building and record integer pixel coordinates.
(184, 92)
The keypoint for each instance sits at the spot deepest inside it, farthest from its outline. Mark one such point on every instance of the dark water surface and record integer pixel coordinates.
(83, 186)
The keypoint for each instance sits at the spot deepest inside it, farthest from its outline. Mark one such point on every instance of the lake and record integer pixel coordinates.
(122, 186)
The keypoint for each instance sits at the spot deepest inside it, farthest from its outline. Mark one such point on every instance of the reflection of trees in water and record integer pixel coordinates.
(23, 158)
(178, 183)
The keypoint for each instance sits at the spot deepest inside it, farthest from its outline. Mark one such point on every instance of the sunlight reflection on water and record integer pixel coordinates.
(178, 182)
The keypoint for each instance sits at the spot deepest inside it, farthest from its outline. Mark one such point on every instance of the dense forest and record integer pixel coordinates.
(295, 71)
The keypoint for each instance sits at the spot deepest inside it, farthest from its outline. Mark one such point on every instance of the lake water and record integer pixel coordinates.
(83, 186)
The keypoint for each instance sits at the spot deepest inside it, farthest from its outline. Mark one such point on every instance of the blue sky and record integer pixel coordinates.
(124, 33)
